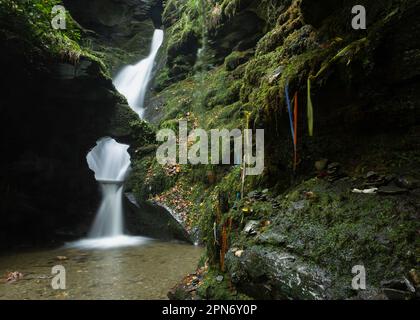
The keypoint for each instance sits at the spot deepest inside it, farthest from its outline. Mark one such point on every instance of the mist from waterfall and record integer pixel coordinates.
(133, 81)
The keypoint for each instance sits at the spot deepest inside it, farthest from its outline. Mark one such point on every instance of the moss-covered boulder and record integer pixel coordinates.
(332, 229)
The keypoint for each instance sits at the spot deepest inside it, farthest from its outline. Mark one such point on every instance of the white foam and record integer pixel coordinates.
(109, 242)
(133, 81)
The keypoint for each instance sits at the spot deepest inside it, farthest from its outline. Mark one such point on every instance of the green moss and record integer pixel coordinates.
(235, 59)
(335, 229)
(212, 289)
(338, 229)
(31, 21)
(149, 178)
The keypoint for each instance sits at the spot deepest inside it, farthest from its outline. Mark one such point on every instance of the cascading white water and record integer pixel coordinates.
(108, 221)
(111, 162)
(133, 81)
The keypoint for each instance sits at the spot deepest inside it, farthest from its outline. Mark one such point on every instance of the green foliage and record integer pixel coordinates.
(142, 133)
(212, 289)
(149, 178)
(31, 20)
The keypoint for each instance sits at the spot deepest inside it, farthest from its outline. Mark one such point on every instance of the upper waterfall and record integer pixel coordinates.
(133, 81)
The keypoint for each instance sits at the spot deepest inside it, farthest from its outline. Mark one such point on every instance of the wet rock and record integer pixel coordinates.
(179, 293)
(121, 29)
(235, 59)
(251, 228)
(393, 294)
(334, 172)
(399, 284)
(267, 273)
(276, 204)
(153, 220)
(67, 71)
(371, 174)
(271, 237)
(333, 166)
(390, 177)
(259, 195)
(370, 294)
(407, 182)
(391, 190)
(320, 165)
(373, 179)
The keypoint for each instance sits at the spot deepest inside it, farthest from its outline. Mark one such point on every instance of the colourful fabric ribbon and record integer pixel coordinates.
(310, 110)
(289, 107)
(295, 129)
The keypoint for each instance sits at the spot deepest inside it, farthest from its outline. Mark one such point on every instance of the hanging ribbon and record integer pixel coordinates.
(245, 159)
(289, 107)
(310, 110)
(293, 122)
(295, 129)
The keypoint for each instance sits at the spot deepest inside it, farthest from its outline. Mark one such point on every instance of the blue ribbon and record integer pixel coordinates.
(289, 106)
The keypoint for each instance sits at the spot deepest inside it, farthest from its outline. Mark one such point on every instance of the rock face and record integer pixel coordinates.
(53, 111)
(268, 273)
(120, 30)
(316, 237)
(153, 221)
(363, 89)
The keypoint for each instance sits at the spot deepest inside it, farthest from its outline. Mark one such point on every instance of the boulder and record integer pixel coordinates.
(270, 273)
(151, 220)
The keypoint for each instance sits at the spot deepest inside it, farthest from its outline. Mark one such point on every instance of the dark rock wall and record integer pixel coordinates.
(119, 30)
(53, 111)
(364, 89)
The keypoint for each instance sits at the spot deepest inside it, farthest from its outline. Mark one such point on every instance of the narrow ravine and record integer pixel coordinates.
(109, 263)
(281, 137)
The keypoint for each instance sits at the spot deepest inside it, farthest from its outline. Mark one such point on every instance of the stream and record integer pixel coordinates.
(108, 264)
(146, 271)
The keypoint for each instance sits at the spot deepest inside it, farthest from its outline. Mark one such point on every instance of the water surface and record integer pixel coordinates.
(141, 272)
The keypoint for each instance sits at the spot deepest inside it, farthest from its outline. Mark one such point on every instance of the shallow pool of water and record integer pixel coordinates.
(146, 271)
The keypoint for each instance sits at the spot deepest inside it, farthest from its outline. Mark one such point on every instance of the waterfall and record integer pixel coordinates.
(110, 162)
(133, 81)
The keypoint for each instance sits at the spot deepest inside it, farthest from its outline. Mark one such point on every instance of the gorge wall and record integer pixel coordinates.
(57, 100)
(295, 235)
